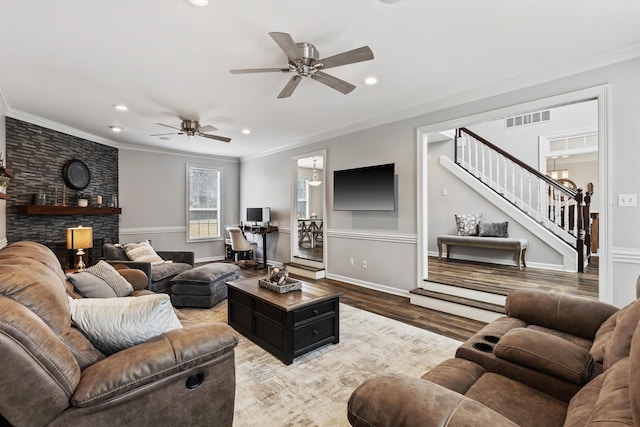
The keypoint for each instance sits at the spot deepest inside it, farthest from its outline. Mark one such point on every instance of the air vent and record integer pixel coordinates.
(527, 119)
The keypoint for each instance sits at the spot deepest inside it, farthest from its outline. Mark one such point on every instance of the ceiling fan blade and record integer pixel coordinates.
(356, 55)
(208, 128)
(216, 137)
(259, 70)
(172, 133)
(287, 44)
(291, 85)
(172, 127)
(333, 82)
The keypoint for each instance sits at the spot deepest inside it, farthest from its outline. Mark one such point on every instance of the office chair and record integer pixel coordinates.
(240, 245)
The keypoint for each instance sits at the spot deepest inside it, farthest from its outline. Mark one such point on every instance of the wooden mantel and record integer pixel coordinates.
(66, 210)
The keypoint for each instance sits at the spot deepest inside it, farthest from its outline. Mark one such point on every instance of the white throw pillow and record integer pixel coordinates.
(113, 324)
(142, 252)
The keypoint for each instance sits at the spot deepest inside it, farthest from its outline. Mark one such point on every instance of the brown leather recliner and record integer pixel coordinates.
(557, 361)
(52, 375)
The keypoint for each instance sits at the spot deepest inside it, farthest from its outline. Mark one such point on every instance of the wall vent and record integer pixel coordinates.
(527, 119)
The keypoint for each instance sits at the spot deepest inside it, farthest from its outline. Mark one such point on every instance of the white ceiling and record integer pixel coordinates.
(67, 62)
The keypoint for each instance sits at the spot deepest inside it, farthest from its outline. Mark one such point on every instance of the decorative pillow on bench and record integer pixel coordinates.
(467, 225)
(493, 229)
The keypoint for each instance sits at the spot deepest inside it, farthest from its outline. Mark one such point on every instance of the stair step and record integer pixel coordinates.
(303, 267)
(480, 287)
(460, 300)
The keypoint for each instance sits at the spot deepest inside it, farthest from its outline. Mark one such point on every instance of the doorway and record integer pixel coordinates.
(438, 132)
(308, 213)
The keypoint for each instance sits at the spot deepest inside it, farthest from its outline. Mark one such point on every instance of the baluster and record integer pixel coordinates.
(476, 158)
(566, 216)
(521, 187)
(484, 174)
(498, 172)
(505, 177)
(469, 154)
(557, 207)
(529, 195)
(491, 168)
(513, 182)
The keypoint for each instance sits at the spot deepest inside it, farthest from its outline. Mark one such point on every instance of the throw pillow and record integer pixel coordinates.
(493, 229)
(91, 286)
(142, 252)
(110, 275)
(113, 324)
(467, 225)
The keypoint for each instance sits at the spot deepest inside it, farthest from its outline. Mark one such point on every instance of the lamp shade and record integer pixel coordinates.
(79, 237)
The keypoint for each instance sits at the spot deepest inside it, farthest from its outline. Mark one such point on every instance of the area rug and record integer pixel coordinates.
(315, 388)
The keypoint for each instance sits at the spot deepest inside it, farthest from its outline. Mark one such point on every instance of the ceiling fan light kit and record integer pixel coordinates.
(303, 61)
(192, 128)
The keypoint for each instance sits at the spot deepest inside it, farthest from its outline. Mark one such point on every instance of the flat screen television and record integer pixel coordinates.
(257, 215)
(370, 188)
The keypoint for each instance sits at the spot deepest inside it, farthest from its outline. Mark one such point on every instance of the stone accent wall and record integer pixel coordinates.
(37, 155)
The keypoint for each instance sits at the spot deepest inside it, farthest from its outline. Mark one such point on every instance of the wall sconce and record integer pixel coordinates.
(80, 238)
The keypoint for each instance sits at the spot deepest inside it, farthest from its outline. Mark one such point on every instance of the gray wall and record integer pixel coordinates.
(385, 239)
(153, 200)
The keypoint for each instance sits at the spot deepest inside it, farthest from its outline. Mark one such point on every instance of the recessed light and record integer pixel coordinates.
(370, 81)
(199, 2)
(116, 128)
(120, 107)
(246, 131)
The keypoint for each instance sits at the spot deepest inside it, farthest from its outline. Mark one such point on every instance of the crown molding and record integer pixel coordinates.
(554, 73)
(49, 124)
(161, 150)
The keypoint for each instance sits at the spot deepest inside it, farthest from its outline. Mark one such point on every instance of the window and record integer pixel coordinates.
(203, 203)
(303, 198)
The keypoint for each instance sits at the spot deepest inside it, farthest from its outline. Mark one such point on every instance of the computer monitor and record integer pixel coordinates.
(259, 215)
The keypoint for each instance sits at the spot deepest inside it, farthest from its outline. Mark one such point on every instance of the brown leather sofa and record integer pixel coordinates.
(553, 360)
(52, 374)
(159, 276)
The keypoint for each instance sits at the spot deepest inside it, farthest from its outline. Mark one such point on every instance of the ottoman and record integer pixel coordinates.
(203, 286)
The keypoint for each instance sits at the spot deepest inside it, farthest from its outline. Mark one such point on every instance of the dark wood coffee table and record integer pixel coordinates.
(286, 325)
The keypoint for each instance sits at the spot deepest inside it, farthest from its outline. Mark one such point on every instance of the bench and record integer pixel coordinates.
(519, 246)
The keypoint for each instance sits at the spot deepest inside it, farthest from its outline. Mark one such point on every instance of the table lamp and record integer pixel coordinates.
(80, 238)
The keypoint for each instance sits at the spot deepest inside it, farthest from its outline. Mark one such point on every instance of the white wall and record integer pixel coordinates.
(522, 141)
(388, 240)
(460, 199)
(153, 199)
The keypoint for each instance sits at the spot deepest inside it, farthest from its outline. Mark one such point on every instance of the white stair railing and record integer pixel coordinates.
(561, 210)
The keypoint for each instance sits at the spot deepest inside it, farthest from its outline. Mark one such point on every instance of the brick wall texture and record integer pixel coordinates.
(37, 156)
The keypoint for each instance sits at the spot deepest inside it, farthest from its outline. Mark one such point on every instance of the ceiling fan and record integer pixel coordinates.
(303, 61)
(193, 128)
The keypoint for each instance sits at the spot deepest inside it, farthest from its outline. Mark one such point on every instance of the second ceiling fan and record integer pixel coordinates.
(193, 128)
(303, 61)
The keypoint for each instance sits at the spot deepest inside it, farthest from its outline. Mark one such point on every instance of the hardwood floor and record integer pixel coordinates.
(394, 307)
(474, 275)
(501, 279)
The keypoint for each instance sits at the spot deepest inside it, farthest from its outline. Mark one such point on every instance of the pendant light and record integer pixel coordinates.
(314, 177)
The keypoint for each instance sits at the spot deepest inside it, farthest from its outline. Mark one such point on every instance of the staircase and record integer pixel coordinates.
(549, 210)
(562, 211)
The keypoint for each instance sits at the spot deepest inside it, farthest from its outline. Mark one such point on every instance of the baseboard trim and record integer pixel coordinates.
(369, 285)
(210, 259)
(503, 261)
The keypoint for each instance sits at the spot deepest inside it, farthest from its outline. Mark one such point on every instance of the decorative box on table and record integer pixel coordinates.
(288, 285)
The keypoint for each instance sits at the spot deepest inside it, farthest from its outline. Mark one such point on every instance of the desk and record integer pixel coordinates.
(309, 229)
(263, 231)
